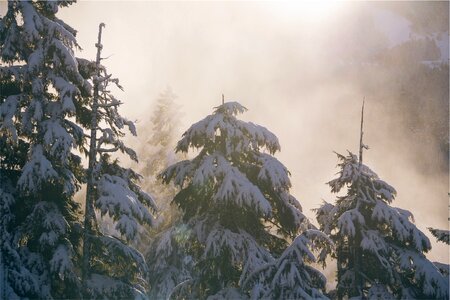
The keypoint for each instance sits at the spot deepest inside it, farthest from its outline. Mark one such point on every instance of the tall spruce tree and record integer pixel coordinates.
(379, 251)
(158, 152)
(112, 268)
(45, 105)
(238, 218)
(40, 174)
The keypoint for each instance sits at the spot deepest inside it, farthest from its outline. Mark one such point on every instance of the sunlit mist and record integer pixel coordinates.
(302, 69)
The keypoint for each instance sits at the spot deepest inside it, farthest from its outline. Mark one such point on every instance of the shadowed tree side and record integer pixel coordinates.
(44, 109)
(41, 232)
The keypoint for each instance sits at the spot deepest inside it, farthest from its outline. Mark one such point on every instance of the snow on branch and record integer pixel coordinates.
(230, 108)
(117, 248)
(236, 135)
(346, 221)
(289, 277)
(37, 171)
(122, 204)
(241, 246)
(441, 235)
(102, 286)
(61, 263)
(274, 172)
(424, 271)
(7, 111)
(403, 229)
(31, 20)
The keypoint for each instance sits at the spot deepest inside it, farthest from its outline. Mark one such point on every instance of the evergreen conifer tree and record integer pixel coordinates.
(238, 217)
(40, 174)
(45, 105)
(379, 251)
(111, 266)
(158, 152)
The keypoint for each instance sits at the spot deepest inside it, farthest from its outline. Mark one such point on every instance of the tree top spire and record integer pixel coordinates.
(361, 144)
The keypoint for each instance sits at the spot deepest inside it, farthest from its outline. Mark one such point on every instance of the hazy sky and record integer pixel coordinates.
(281, 61)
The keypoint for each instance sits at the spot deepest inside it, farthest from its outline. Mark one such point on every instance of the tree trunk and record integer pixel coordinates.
(89, 216)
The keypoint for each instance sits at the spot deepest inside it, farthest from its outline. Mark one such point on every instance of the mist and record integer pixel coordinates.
(303, 72)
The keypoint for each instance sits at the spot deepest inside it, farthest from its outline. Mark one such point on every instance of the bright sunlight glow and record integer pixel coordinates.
(318, 10)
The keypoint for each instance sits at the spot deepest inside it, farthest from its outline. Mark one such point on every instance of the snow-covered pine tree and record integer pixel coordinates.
(43, 113)
(162, 127)
(15, 278)
(238, 217)
(441, 235)
(158, 152)
(379, 251)
(40, 173)
(291, 276)
(111, 268)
